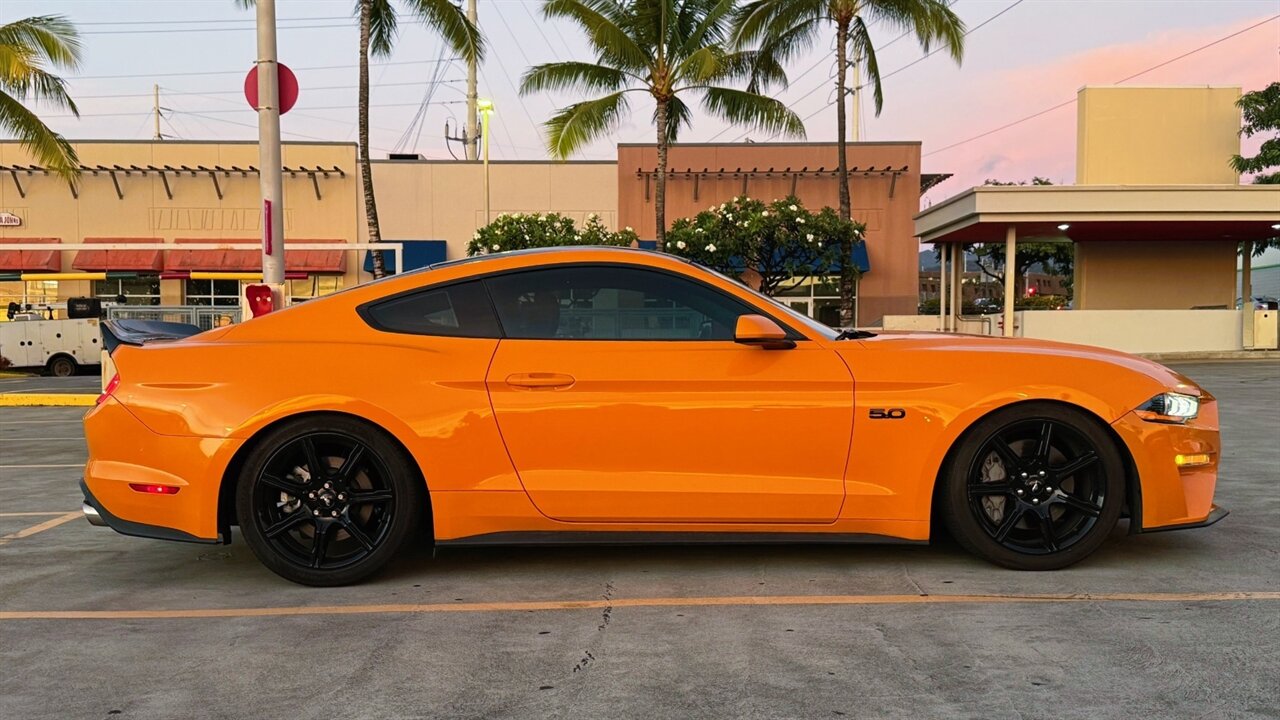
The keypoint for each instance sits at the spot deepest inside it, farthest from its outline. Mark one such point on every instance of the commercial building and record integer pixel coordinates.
(170, 194)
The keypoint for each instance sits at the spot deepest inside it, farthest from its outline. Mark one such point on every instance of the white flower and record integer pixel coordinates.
(728, 216)
(792, 208)
(680, 244)
(723, 205)
(698, 230)
(809, 237)
(799, 221)
(764, 214)
(819, 244)
(710, 248)
(496, 247)
(476, 236)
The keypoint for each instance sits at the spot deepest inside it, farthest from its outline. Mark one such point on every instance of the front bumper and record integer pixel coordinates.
(1170, 496)
(1216, 514)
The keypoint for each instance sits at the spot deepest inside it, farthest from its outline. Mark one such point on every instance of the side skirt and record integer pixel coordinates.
(572, 537)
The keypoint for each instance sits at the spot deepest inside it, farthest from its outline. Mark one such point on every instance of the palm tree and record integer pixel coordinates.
(378, 22)
(785, 28)
(28, 49)
(669, 49)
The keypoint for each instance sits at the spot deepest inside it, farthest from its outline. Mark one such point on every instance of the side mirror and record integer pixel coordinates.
(761, 331)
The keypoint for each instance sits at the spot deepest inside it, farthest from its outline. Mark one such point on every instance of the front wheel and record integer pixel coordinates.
(1034, 487)
(327, 501)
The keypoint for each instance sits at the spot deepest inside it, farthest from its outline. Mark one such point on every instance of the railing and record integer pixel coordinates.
(202, 316)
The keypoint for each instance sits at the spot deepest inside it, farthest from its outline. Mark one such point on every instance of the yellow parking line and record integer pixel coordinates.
(31, 514)
(46, 400)
(767, 600)
(46, 525)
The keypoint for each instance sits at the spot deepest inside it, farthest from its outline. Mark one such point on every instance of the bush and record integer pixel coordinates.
(519, 231)
(782, 241)
(5, 363)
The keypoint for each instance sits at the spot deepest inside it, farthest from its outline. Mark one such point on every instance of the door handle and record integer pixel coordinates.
(540, 380)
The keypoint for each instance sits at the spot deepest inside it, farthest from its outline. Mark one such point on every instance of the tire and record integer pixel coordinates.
(335, 528)
(62, 366)
(1058, 505)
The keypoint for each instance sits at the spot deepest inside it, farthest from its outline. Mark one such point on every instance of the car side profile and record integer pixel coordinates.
(614, 395)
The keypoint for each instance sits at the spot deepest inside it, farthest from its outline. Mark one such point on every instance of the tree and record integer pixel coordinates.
(1261, 114)
(669, 49)
(1057, 258)
(29, 49)
(378, 23)
(521, 231)
(783, 29)
(781, 243)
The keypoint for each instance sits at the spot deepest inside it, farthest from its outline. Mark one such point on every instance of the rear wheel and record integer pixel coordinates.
(327, 501)
(1034, 487)
(62, 366)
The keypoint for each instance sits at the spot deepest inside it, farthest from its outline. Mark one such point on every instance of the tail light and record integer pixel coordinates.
(112, 384)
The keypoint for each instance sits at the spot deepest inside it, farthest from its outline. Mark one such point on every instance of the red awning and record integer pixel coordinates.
(250, 259)
(30, 260)
(120, 260)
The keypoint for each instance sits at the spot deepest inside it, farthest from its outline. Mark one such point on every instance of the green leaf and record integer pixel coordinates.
(580, 123)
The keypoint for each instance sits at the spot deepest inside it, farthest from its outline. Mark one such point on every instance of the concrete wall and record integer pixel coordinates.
(892, 286)
(1122, 275)
(1138, 331)
(1157, 135)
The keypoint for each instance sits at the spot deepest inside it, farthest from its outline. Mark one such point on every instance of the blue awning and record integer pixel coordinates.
(417, 254)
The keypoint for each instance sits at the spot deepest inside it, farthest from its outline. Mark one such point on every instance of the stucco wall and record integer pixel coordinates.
(1170, 274)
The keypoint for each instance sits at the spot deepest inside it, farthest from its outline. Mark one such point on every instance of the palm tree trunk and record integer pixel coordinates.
(847, 272)
(366, 174)
(660, 192)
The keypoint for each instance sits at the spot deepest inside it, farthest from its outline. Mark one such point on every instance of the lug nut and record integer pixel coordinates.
(311, 495)
(1035, 501)
(315, 512)
(341, 496)
(1041, 473)
(1024, 474)
(334, 513)
(1019, 492)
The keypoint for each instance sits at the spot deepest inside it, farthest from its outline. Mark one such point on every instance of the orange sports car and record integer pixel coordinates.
(612, 395)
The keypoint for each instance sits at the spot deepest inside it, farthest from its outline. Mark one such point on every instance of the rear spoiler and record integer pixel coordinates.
(140, 332)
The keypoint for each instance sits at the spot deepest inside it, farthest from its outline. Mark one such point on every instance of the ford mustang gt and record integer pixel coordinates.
(613, 395)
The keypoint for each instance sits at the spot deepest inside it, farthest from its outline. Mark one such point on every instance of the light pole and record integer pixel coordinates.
(486, 110)
(269, 153)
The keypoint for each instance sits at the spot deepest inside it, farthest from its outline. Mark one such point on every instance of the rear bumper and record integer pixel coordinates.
(99, 516)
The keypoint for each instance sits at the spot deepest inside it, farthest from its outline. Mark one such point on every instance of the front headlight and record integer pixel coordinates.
(1170, 407)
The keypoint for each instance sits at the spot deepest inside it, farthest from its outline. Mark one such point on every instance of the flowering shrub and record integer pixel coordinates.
(781, 241)
(518, 231)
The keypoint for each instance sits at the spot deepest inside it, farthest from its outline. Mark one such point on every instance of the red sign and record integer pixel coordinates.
(288, 88)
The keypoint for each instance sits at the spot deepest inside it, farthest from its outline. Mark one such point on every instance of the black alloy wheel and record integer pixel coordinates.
(1035, 487)
(327, 503)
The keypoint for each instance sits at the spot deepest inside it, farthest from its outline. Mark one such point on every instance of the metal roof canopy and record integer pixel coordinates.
(1224, 213)
(755, 173)
(163, 172)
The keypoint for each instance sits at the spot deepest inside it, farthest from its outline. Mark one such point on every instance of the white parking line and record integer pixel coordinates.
(12, 439)
(41, 422)
(31, 467)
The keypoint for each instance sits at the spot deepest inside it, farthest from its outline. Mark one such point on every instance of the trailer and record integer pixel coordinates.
(60, 347)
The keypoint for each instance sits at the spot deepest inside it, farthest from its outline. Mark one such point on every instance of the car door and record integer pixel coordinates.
(622, 396)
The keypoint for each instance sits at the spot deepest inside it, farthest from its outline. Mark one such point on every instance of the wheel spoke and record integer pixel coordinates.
(351, 463)
(995, 488)
(280, 484)
(1075, 466)
(1083, 506)
(1046, 531)
(1044, 442)
(1008, 457)
(370, 496)
(318, 471)
(357, 533)
(320, 544)
(1010, 519)
(288, 523)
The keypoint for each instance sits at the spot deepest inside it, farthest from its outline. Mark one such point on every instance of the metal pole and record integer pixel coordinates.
(156, 106)
(269, 159)
(487, 111)
(473, 138)
(1010, 281)
(857, 100)
(957, 285)
(942, 287)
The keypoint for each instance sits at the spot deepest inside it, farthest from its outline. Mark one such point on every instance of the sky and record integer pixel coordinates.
(1031, 55)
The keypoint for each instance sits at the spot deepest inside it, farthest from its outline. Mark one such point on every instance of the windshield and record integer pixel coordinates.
(791, 313)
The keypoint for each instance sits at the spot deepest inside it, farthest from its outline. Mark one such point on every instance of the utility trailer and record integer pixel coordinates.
(60, 347)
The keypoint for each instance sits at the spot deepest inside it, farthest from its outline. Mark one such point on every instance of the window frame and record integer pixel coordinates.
(364, 309)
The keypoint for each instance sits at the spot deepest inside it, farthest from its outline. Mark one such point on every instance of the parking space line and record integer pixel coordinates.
(46, 525)
(29, 467)
(32, 514)
(41, 422)
(615, 603)
(41, 439)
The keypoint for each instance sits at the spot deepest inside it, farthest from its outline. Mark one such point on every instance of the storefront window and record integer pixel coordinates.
(218, 293)
(817, 297)
(314, 287)
(136, 291)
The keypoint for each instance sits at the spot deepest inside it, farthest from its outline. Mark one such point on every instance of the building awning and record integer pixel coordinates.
(30, 260)
(147, 261)
(417, 254)
(249, 259)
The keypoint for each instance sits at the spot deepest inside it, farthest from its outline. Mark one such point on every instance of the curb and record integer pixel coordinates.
(1248, 355)
(47, 400)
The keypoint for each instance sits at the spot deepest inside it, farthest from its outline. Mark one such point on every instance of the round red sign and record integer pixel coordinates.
(288, 88)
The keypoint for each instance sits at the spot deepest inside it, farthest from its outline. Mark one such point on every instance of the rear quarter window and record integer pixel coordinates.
(461, 310)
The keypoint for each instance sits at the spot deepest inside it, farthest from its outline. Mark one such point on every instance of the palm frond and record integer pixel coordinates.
(760, 19)
(383, 25)
(605, 30)
(860, 39)
(32, 84)
(931, 21)
(756, 111)
(577, 125)
(50, 38)
(761, 70)
(679, 117)
(460, 34)
(49, 148)
(576, 76)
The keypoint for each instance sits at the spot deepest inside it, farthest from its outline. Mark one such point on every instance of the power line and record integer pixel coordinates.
(1048, 110)
(209, 21)
(249, 110)
(209, 30)
(244, 70)
(241, 92)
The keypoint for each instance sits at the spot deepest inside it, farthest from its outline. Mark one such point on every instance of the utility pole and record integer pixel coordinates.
(156, 106)
(471, 137)
(857, 100)
(486, 107)
(269, 159)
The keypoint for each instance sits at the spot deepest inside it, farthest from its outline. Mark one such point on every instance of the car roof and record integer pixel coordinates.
(554, 250)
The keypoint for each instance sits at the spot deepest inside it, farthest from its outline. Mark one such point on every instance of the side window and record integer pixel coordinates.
(461, 310)
(611, 302)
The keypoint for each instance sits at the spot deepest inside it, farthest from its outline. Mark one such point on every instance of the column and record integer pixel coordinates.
(1010, 269)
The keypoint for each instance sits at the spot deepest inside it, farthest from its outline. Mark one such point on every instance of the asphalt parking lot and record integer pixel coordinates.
(1183, 624)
